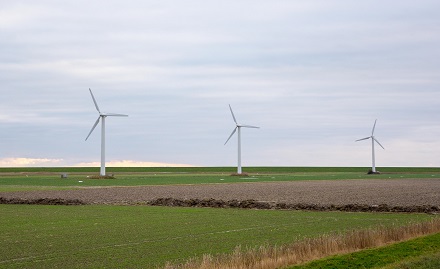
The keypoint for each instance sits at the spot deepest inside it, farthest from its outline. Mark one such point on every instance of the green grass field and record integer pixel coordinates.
(13, 179)
(144, 237)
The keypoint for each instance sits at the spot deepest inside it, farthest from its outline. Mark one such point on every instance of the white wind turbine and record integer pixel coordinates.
(373, 139)
(238, 127)
(102, 117)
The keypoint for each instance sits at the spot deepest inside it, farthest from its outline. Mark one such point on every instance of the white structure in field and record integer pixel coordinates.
(238, 129)
(102, 117)
(373, 139)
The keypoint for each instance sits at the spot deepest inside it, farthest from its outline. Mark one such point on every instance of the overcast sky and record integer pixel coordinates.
(314, 75)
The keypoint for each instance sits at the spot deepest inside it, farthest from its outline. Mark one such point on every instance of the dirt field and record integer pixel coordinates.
(402, 192)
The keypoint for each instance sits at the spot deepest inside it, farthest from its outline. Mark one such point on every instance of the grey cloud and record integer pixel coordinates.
(313, 74)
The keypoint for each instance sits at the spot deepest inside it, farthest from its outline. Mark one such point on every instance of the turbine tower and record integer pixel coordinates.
(238, 129)
(102, 116)
(373, 139)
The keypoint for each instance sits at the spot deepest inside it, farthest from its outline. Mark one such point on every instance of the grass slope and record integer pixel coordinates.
(390, 257)
(429, 261)
(144, 237)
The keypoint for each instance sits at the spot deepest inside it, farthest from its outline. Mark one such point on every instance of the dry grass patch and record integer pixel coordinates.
(267, 257)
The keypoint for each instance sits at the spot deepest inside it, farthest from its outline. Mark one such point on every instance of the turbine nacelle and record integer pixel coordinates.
(101, 114)
(372, 136)
(237, 125)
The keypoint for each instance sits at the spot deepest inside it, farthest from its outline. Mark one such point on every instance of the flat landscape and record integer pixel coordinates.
(105, 232)
(320, 186)
(393, 192)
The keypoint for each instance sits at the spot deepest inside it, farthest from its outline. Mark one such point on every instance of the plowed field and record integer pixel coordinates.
(402, 192)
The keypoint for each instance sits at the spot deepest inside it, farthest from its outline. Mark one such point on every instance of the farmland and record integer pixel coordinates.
(108, 233)
(143, 237)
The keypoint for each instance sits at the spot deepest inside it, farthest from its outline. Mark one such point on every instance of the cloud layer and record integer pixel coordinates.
(314, 75)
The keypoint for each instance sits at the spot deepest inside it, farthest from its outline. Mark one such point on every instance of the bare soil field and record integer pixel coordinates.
(394, 193)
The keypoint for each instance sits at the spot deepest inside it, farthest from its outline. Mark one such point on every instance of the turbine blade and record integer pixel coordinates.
(235, 120)
(94, 101)
(363, 139)
(374, 126)
(378, 142)
(233, 132)
(248, 126)
(93, 128)
(114, 114)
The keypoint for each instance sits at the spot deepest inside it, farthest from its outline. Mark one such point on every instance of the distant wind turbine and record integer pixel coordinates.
(102, 117)
(238, 127)
(373, 139)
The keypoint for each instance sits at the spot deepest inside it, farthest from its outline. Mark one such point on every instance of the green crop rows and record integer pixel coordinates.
(35, 236)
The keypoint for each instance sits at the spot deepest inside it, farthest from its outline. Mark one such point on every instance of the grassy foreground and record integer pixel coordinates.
(146, 237)
(271, 257)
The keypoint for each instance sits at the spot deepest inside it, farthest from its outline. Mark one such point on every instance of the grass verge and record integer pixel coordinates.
(427, 261)
(423, 252)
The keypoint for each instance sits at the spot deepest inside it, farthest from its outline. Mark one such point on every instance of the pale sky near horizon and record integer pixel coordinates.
(314, 75)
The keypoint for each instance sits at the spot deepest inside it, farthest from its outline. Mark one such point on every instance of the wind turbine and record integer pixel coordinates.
(238, 128)
(102, 116)
(373, 139)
